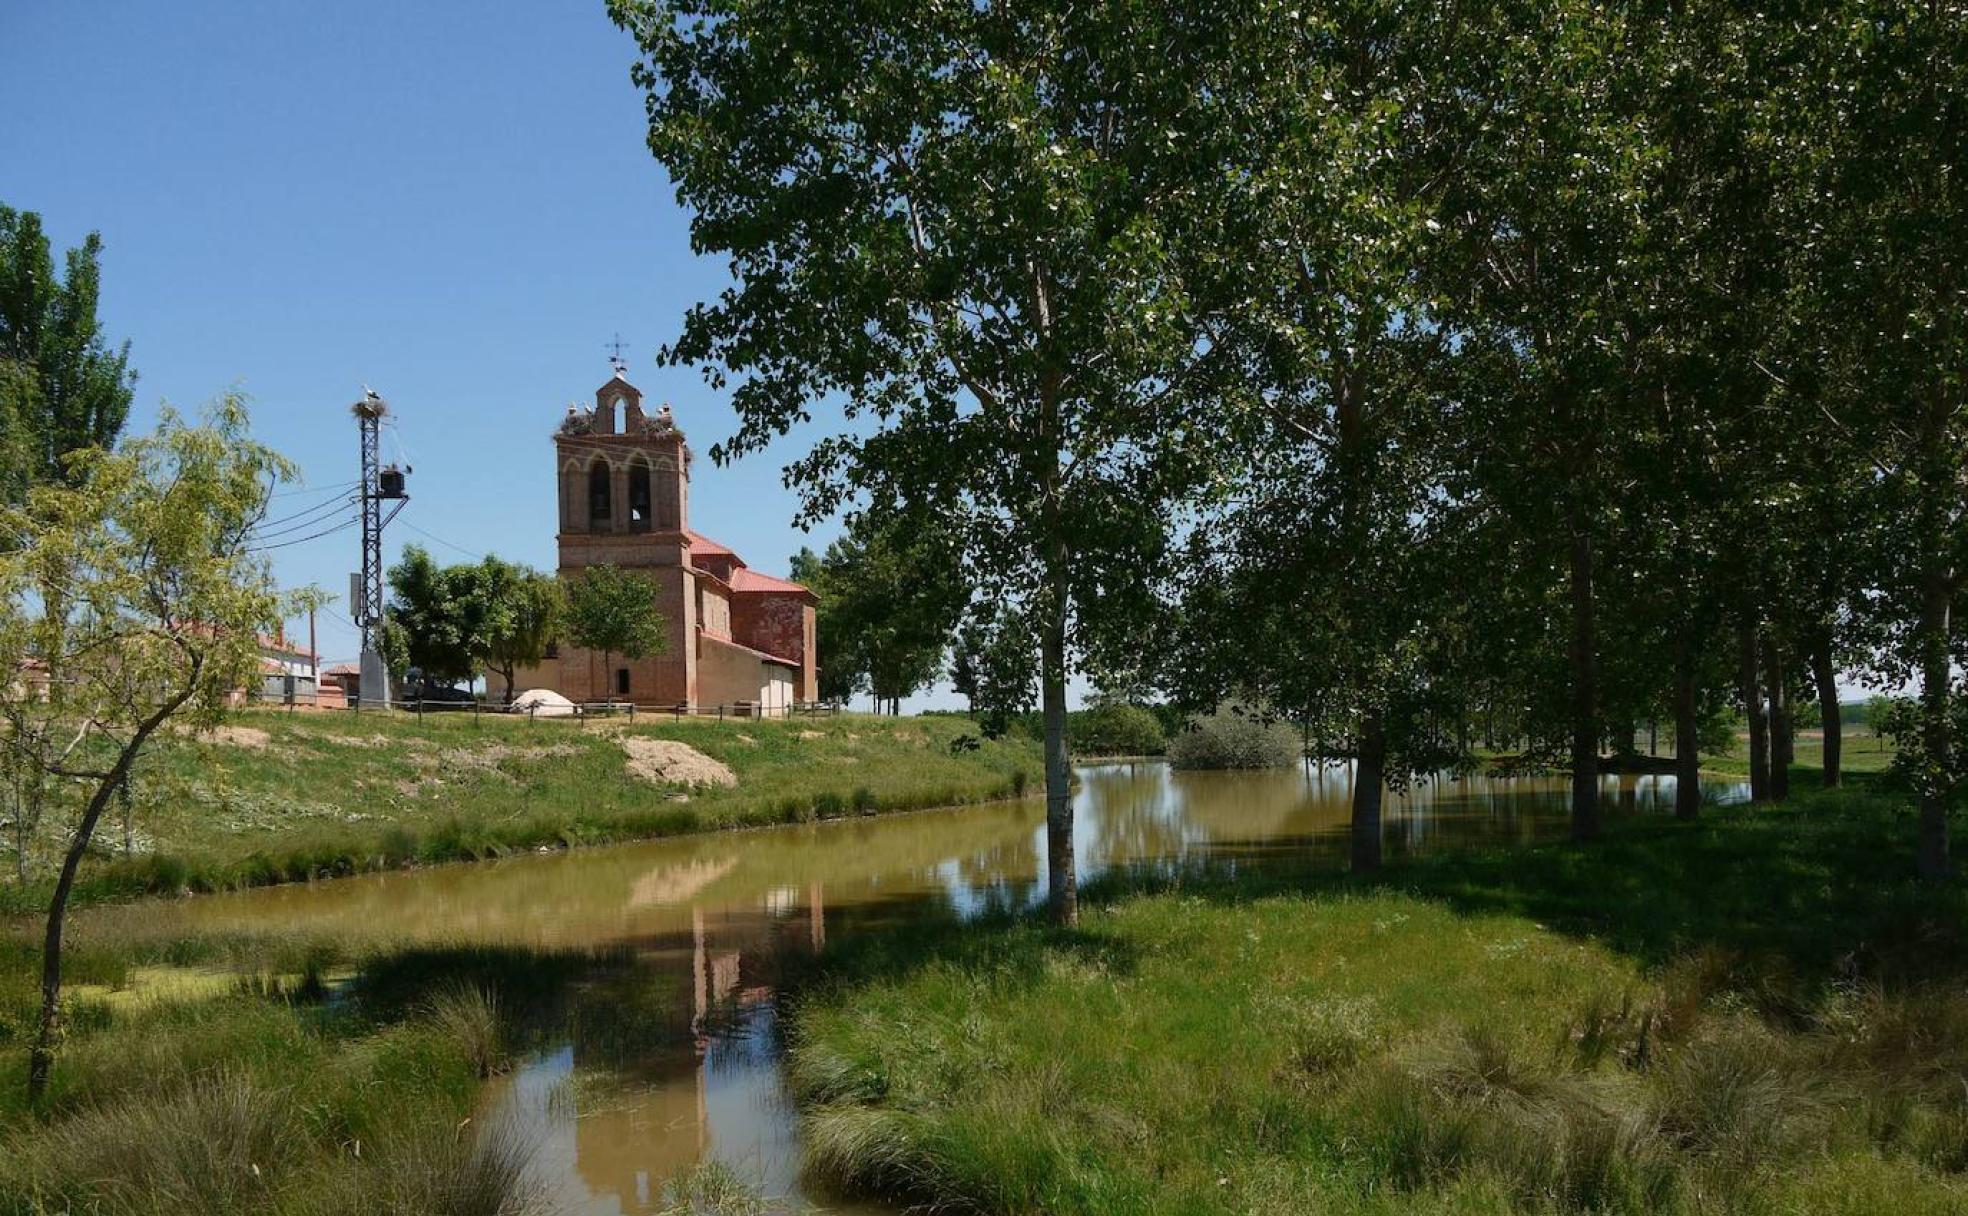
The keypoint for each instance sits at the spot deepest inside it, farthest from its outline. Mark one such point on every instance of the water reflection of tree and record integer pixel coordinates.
(1127, 812)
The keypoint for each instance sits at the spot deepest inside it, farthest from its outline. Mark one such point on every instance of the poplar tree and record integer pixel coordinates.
(966, 222)
(1545, 198)
(1876, 117)
(1321, 589)
(63, 388)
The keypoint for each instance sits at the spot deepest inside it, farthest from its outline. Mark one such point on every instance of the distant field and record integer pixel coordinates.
(1861, 753)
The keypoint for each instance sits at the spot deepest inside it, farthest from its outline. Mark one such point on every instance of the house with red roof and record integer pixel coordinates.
(737, 637)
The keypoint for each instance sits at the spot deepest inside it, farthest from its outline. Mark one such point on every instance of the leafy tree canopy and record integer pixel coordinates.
(62, 387)
(614, 611)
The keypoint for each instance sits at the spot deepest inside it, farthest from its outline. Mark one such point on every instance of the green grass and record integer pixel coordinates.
(263, 1096)
(330, 794)
(1861, 753)
(1758, 1013)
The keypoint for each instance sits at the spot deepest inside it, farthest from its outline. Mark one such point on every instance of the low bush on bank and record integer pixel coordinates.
(285, 798)
(1115, 730)
(1755, 1014)
(1235, 737)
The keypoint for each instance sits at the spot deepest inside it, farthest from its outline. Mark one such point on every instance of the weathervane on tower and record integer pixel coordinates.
(615, 349)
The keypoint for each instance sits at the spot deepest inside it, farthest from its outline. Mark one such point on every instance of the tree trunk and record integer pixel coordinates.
(1932, 859)
(1585, 693)
(1825, 676)
(21, 821)
(41, 1061)
(1063, 898)
(1687, 741)
(1752, 697)
(1368, 775)
(1781, 737)
(124, 802)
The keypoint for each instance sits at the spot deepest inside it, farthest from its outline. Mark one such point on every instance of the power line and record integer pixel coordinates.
(301, 520)
(440, 540)
(301, 540)
(340, 485)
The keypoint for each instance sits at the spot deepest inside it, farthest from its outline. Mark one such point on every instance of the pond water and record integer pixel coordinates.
(699, 925)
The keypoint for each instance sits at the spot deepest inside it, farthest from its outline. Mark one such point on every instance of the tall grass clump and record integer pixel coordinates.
(715, 1189)
(431, 1171)
(262, 1095)
(1235, 736)
(215, 1144)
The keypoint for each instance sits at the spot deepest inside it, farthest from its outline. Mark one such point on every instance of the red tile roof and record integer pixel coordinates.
(704, 545)
(742, 578)
(283, 646)
(751, 580)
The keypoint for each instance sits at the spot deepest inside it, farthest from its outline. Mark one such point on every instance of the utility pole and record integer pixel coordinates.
(379, 484)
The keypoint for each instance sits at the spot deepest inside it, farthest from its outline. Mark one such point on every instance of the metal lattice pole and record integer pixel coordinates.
(369, 419)
(378, 486)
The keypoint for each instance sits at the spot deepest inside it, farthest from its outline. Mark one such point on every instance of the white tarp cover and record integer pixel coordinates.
(543, 703)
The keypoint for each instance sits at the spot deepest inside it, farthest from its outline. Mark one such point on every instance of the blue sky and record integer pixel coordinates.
(451, 202)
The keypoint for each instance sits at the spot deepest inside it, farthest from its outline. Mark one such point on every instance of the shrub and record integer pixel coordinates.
(1115, 729)
(1235, 737)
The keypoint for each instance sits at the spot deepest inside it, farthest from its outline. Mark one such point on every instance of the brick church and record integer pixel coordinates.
(735, 635)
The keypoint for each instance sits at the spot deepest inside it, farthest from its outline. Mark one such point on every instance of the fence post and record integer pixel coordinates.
(632, 713)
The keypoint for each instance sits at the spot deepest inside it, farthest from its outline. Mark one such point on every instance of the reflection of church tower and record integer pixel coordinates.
(625, 501)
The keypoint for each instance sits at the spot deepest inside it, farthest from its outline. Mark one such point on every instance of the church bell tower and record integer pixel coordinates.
(623, 473)
(625, 502)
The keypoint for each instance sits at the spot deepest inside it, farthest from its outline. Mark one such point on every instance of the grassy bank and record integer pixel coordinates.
(276, 798)
(1864, 754)
(1756, 1013)
(247, 1087)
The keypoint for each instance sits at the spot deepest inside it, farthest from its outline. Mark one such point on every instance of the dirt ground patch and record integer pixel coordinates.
(241, 736)
(671, 763)
(373, 742)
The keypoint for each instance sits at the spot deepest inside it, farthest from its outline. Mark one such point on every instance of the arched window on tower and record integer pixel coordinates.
(600, 498)
(639, 495)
